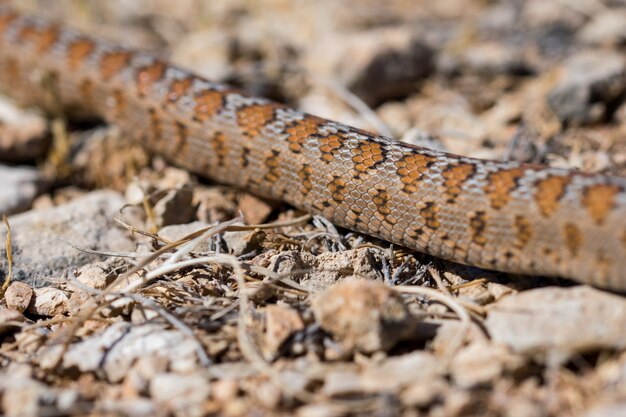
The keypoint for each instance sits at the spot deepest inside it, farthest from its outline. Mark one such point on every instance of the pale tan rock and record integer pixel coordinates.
(605, 28)
(39, 237)
(320, 410)
(255, 210)
(23, 134)
(214, 204)
(397, 372)
(585, 92)
(115, 349)
(18, 296)
(384, 63)
(479, 363)
(100, 274)
(174, 207)
(224, 390)
(78, 302)
(49, 301)
(320, 272)
(616, 409)
(20, 186)
(281, 321)
(549, 321)
(181, 394)
(23, 397)
(424, 392)
(240, 243)
(10, 319)
(363, 315)
(177, 232)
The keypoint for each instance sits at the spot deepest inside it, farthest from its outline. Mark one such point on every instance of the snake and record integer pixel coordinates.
(506, 216)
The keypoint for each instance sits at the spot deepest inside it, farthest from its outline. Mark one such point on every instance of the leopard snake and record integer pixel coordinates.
(505, 216)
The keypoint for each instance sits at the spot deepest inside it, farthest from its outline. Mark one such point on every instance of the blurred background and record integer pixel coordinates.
(536, 81)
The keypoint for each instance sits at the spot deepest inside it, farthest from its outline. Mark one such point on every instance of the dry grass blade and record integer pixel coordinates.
(7, 279)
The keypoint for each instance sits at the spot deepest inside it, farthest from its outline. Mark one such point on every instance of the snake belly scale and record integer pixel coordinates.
(505, 216)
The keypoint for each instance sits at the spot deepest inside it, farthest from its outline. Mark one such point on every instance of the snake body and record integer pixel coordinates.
(505, 216)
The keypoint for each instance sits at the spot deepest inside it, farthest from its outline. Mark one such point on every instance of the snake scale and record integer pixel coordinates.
(505, 216)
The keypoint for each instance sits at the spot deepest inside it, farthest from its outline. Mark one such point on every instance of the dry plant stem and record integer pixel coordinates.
(274, 225)
(7, 279)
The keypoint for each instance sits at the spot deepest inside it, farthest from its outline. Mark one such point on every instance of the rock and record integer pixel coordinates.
(479, 363)
(605, 28)
(320, 410)
(401, 371)
(617, 409)
(206, 52)
(18, 296)
(26, 397)
(100, 274)
(214, 204)
(363, 315)
(176, 232)
(180, 394)
(331, 266)
(390, 375)
(40, 238)
(9, 319)
(104, 157)
(384, 63)
(320, 272)
(281, 321)
(114, 350)
(424, 392)
(23, 134)
(587, 90)
(255, 210)
(48, 301)
(487, 58)
(241, 243)
(450, 118)
(224, 390)
(20, 186)
(548, 321)
(174, 207)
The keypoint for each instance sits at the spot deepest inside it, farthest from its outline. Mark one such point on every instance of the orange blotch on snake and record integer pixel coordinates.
(43, 38)
(366, 156)
(599, 200)
(6, 20)
(411, 167)
(149, 75)
(77, 51)
(549, 193)
(178, 88)
(300, 130)
(251, 119)
(328, 146)
(112, 63)
(500, 184)
(455, 177)
(208, 103)
(337, 188)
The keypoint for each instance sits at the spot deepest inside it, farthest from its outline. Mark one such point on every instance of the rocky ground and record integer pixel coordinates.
(135, 288)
